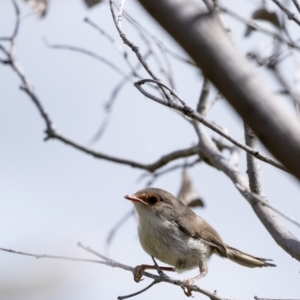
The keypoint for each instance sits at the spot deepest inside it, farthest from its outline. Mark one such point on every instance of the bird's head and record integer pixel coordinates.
(153, 201)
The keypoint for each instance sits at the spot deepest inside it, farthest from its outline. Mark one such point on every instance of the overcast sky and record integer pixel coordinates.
(52, 196)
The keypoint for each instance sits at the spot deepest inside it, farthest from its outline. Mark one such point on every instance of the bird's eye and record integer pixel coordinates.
(153, 199)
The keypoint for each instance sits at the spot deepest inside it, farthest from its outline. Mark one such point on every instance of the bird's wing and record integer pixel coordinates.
(200, 229)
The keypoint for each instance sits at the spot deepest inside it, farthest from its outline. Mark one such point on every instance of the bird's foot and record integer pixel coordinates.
(187, 291)
(138, 273)
(186, 288)
(189, 281)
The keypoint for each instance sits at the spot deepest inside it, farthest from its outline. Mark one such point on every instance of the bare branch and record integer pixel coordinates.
(180, 283)
(149, 167)
(232, 75)
(189, 112)
(152, 41)
(88, 53)
(159, 42)
(262, 199)
(291, 92)
(297, 5)
(113, 231)
(134, 48)
(139, 292)
(157, 174)
(234, 158)
(116, 45)
(38, 256)
(120, 13)
(17, 24)
(53, 133)
(280, 234)
(289, 14)
(203, 99)
(254, 25)
(108, 105)
(112, 263)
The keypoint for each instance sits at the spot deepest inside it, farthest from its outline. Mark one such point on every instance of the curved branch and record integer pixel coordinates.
(149, 167)
(232, 75)
(51, 132)
(288, 13)
(268, 218)
(17, 24)
(281, 235)
(88, 53)
(189, 112)
(112, 263)
(254, 25)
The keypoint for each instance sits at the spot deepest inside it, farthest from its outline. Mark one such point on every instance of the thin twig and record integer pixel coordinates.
(203, 99)
(113, 96)
(88, 53)
(189, 112)
(255, 198)
(51, 132)
(38, 256)
(151, 41)
(139, 292)
(254, 25)
(120, 13)
(289, 14)
(291, 92)
(157, 174)
(116, 45)
(135, 49)
(17, 24)
(149, 167)
(297, 5)
(180, 283)
(113, 231)
(112, 263)
(159, 42)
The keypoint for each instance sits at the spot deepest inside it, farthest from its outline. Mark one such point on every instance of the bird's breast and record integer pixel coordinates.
(166, 242)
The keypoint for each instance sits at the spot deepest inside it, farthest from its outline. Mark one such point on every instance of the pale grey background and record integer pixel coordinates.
(52, 196)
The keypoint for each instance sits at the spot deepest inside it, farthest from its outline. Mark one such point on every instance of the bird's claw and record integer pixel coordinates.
(138, 273)
(186, 288)
(187, 291)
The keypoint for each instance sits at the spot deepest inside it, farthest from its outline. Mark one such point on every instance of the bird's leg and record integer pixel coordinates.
(158, 268)
(138, 271)
(203, 271)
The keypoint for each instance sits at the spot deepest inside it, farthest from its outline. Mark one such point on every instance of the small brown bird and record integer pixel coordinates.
(171, 232)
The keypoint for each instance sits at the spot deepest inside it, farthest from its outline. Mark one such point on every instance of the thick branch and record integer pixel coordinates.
(281, 235)
(204, 39)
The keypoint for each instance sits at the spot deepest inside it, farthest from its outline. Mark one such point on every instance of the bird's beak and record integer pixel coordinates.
(134, 198)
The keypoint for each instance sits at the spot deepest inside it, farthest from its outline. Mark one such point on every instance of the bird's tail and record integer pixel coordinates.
(247, 260)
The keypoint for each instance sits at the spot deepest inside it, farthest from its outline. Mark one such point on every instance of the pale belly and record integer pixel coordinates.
(172, 246)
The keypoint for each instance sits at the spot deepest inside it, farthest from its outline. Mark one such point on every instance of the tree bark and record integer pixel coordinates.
(202, 36)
